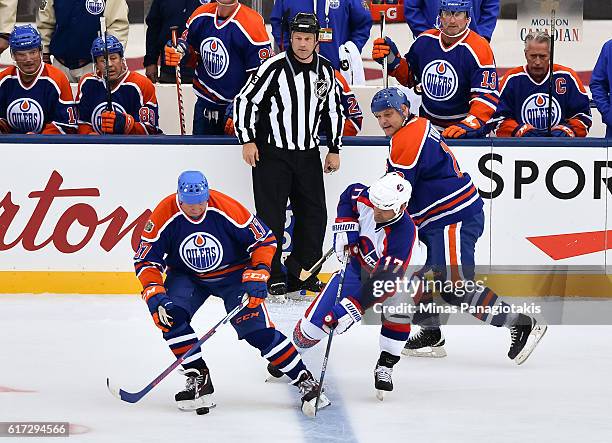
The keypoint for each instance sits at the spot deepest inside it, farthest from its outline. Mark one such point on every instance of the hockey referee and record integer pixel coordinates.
(277, 117)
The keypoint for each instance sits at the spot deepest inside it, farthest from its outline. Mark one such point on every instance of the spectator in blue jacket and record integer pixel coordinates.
(350, 21)
(69, 27)
(421, 15)
(601, 79)
(161, 17)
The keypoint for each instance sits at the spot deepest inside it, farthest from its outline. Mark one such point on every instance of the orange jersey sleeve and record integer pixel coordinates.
(150, 273)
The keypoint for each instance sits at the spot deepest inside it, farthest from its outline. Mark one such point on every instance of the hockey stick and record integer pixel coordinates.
(383, 22)
(109, 97)
(551, 70)
(133, 397)
(179, 88)
(331, 332)
(295, 269)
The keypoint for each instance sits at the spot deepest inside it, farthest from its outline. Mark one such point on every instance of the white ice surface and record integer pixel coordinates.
(64, 347)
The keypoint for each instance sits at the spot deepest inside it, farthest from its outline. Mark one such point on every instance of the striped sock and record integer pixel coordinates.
(179, 344)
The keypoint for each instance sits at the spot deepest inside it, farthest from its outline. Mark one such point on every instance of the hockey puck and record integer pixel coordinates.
(202, 411)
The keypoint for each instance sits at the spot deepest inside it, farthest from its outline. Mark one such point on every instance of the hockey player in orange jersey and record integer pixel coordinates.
(134, 103)
(524, 102)
(208, 244)
(453, 67)
(35, 98)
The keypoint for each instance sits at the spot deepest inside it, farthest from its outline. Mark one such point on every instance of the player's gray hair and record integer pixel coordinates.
(538, 37)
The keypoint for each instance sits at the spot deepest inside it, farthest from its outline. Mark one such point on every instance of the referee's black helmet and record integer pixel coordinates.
(305, 22)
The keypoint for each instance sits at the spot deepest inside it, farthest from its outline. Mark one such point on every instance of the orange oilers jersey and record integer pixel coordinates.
(134, 95)
(222, 243)
(442, 193)
(457, 81)
(522, 101)
(228, 51)
(46, 106)
(350, 105)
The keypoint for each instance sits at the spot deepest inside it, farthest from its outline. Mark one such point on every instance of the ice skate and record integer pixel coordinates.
(198, 390)
(277, 292)
(426, 343)
(525, 336)
(309, 389)
(382, 374)
(273, 373)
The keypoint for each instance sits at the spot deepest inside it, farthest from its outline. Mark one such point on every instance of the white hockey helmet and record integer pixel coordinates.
(390, 191)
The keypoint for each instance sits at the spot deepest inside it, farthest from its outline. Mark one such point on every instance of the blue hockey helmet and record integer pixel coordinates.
(113, 44)
(192, 188)
(456, 5)
(389, 98)
(24, 38)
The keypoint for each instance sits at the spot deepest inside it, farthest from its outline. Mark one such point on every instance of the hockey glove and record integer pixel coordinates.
(229, 120)
(386, 48)
(254, 284)
(346, 235)
(116, 122)
(527, 130)
(172, 55)
(469, 127)
(160, 306)
(342, 316)
(562, 131)
(5, 128)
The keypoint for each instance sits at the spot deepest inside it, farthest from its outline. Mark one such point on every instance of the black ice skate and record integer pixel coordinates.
(425, 343)
(382, 374)
(274, 372)
(198, 390)
(312, 284)
(277, 292)
(525, 336)
(296, 289)
(309, 388)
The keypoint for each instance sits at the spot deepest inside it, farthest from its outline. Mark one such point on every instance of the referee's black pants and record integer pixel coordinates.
(283, 174)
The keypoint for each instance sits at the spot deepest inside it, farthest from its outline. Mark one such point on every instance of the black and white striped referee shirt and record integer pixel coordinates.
(285, 101)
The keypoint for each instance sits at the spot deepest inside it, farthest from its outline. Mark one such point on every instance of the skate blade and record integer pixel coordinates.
(204, 401)
(308, 407)
(280, 298)
(297, 295)
(380, 394)
(532, 341)
(273, 379)
(430, 352)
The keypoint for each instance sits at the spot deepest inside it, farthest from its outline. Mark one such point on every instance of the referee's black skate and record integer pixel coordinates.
(198, 390)
(382, 374)
(425, 343)
(525, 334)
(312, 284)
(277, 292)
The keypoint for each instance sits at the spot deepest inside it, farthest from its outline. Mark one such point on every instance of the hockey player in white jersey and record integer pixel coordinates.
(372, 224)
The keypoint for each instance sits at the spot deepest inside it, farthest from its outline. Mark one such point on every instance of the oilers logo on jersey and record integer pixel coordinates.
(26, 115)
(201, 252)
(215, 57)
(535, 111)
(440, 80)
(95, 7)
(96, 115)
